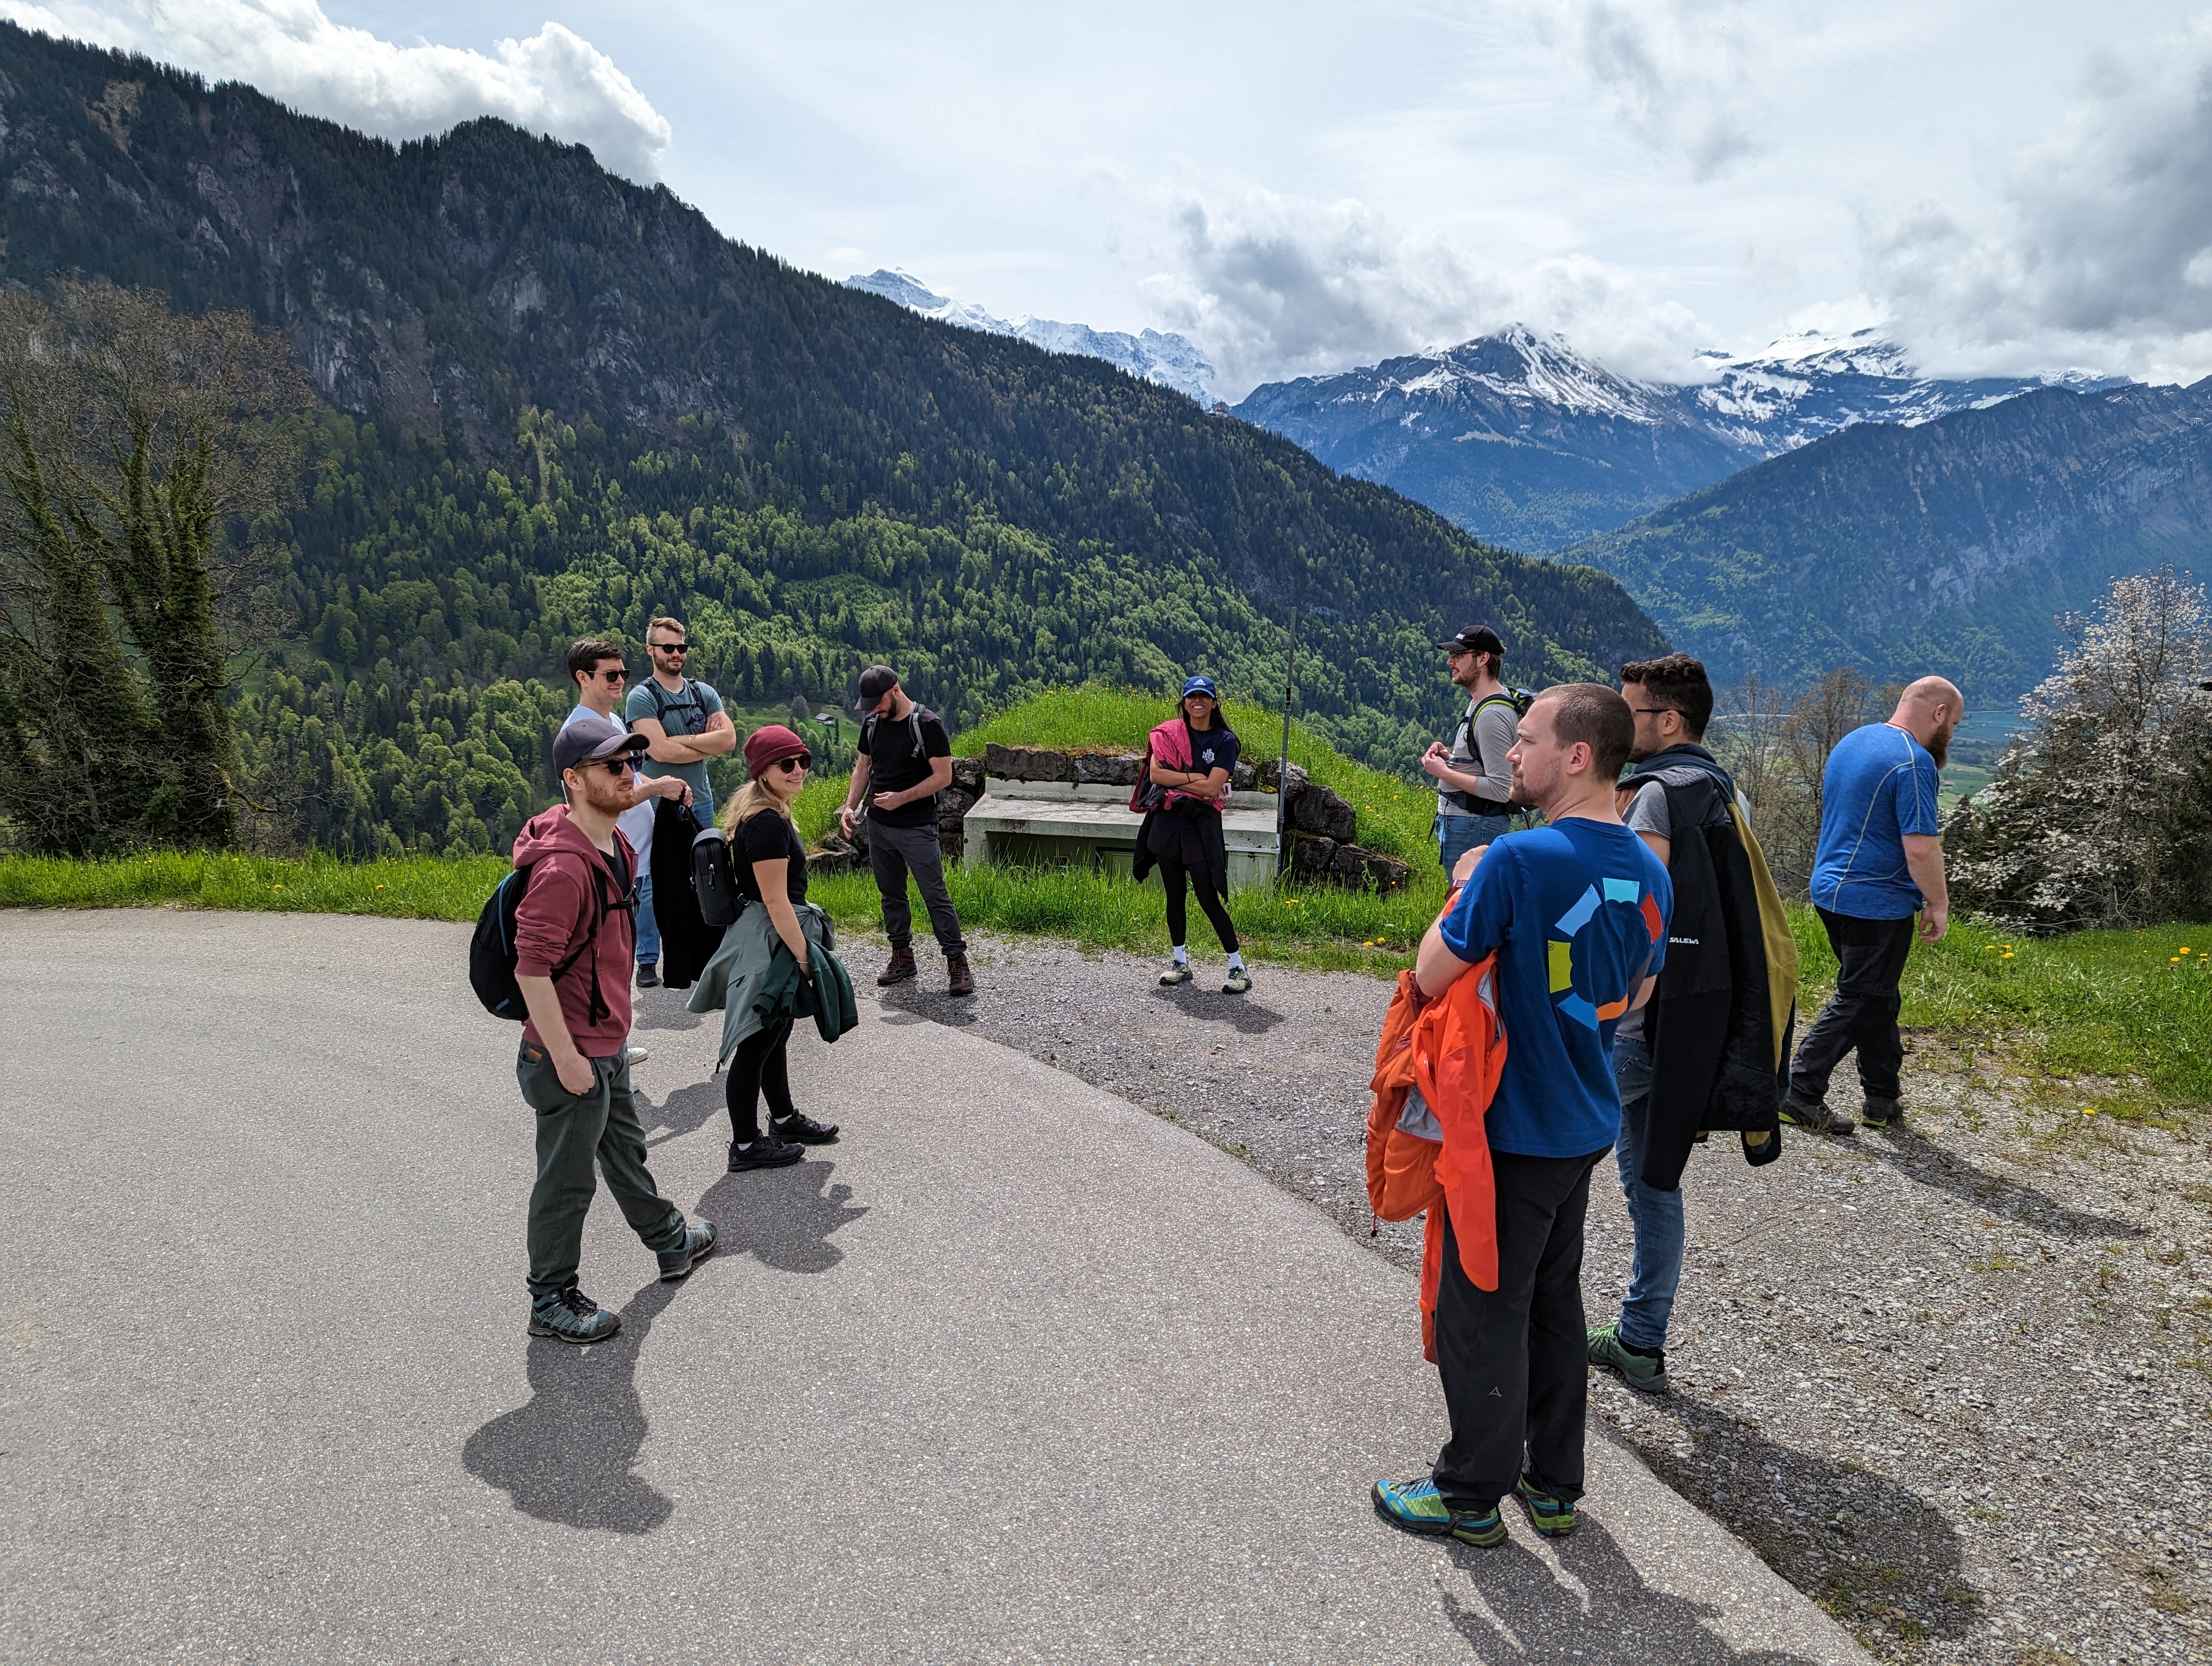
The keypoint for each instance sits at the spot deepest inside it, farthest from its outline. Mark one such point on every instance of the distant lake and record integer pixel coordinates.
(1976, 747)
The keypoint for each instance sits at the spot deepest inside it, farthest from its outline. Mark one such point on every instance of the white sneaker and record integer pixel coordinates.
(639, 1056)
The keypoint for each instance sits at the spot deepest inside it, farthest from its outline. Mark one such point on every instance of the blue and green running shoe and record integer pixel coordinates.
(1546, 1514)
(1418, 1507)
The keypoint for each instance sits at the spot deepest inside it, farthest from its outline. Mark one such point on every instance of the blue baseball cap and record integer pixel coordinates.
(1201, 685)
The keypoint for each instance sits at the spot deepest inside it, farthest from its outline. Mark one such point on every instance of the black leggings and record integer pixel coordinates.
(1210, 905)
(759, 1063)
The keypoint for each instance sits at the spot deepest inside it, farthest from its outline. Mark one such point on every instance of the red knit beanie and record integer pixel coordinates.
(771, 741)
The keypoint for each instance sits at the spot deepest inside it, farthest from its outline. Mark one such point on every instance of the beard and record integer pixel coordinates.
(609, 794)
(1939, 744)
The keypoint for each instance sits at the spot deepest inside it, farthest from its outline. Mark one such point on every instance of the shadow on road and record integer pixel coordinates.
(1522, 1612)
(1927, 1163)
(782, 1218)
(686, 1110)
(1242, 1013)
(663, 1008)
(570, 1455)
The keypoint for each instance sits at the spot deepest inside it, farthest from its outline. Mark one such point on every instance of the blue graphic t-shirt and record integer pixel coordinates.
(1577, 912)
(1880, 785)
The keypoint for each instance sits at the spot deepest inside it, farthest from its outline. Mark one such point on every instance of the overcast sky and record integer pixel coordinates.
(2003, 184)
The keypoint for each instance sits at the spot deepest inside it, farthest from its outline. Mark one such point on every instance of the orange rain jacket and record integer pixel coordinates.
(1451, 1051)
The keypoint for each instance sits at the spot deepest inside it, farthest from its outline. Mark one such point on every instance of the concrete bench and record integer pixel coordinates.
(1063, 823)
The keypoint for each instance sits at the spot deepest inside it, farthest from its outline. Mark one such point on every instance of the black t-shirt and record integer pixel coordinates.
(894, 765)
(761, 837)
(1210, 749)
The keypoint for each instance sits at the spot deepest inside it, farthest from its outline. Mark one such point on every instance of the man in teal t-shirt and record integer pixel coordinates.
(1879, 862)
(1577, 913)
(685, 725)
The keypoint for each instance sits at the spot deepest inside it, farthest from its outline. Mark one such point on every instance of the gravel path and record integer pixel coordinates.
(1954, 1381)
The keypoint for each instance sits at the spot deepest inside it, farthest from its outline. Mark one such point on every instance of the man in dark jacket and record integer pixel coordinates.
(1702, 1054)
(573, 947)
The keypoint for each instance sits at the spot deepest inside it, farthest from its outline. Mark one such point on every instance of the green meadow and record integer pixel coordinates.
(2134, 1007)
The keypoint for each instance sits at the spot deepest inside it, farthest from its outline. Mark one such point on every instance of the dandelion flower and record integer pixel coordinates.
(2088, 1110)
(2007, 954)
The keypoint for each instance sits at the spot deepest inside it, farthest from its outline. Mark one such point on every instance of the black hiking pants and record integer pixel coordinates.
(1870, 958)
(1515, 1360)
(761, 1064)
(1173, 871)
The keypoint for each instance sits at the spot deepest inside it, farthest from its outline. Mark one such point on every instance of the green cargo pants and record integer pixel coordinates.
(572, 1129)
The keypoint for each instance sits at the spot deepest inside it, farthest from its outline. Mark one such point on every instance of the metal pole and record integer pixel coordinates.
(1283, 764)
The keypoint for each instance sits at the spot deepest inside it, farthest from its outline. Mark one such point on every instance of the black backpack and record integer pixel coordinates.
(713, 881)
(491, 949)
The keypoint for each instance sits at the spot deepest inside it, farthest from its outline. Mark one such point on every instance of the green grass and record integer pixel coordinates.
(2101, 1004)
(411, 888)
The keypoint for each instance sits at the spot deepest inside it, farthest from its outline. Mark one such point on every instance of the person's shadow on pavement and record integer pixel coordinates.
(783, 1218)
(570, 1455)
(1518, 1610)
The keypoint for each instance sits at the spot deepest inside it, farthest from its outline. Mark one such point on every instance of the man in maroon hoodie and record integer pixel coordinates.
(572, 944)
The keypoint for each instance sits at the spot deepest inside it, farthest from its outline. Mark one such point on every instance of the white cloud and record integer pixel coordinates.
(2094, 244)
(553, 82)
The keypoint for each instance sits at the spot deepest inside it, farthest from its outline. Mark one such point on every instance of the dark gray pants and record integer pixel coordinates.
(1515, 1359)
(573, 1128)
(1870, 956)
(896, 852)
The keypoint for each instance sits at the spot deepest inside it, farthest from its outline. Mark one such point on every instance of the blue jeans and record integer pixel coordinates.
(648, 932)
(1457, 835)
(1656, 1270)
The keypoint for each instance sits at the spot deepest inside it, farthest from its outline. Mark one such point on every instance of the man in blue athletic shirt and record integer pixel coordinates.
(1577, 911)
(1879, 861)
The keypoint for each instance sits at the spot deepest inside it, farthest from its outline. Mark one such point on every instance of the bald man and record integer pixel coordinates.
(1880, 862)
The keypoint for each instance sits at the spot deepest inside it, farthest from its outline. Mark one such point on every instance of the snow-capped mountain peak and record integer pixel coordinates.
(1154, 355)
(1522, 366)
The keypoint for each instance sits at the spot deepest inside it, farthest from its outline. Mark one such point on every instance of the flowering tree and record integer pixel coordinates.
(2101, 813)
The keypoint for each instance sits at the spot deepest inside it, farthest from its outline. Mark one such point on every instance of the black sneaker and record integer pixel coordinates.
(1881, 1113)
(1815, 1115)
(698, 1244)
(766, 1153)
(649, 974)
(573, 1317)
(804, 1128)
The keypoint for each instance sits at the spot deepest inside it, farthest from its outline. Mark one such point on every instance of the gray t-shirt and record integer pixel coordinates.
(685, 713)
(1480, 748)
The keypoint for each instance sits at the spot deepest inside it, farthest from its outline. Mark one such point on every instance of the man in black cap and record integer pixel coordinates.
(573, 943)
(903, 760)
(1474, 782)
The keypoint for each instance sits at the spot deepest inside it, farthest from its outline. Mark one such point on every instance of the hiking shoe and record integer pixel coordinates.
(1814, 1115)
(698, 1244)
(1179, 972)
(1546, 1514)
(766, 1153)
(1638, 1371)
(1239, 981)
(573, 1317)
(1881, 1113)
(959, 976)
(804, 1128)
(901, 970)
(649, 974)
(1418, 1507)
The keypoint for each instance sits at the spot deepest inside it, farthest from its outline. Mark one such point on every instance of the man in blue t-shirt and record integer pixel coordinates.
(1879, 862)
(1577, 913)
(685, 725)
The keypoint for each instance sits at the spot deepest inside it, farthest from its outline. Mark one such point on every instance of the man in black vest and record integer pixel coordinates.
(1712, 1002)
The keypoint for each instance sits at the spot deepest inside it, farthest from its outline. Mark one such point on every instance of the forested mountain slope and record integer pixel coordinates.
(1947, 547)
(559, 402)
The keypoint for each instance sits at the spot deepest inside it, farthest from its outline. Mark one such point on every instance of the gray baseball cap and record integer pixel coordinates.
(589, 737)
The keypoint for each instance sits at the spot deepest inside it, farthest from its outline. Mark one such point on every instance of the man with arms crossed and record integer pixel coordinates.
(903, 761)
(1475, 783)
(1879, 862)
(573, 940)
(685, 725)
(1576, 912)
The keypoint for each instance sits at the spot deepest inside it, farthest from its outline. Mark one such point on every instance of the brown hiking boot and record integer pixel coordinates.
(959, 979)
(901, 970)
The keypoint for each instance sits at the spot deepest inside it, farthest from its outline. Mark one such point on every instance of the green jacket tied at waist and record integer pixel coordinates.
(753, 978)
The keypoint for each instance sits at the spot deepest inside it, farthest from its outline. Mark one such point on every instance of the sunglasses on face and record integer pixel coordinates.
(616, 767)
(803, 761)
(672, 647)
(615, 676)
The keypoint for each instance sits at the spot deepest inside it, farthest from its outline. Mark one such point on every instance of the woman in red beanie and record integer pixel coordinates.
(768, 861)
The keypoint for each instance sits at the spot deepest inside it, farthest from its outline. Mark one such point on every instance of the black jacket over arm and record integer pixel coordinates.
(1711, 1025)
(687, 942)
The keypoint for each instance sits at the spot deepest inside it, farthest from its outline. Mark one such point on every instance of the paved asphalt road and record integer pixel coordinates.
(1016, 1372)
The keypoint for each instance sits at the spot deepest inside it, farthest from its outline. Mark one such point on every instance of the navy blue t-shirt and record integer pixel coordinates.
(1577, 912)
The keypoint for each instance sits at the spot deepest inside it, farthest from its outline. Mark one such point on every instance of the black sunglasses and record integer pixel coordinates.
(672, 647)
(616, 767)
(803, 761)
(615, 676)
